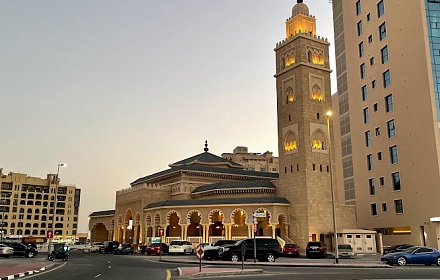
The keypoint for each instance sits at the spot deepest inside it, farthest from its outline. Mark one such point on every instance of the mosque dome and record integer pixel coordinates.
(300, 9)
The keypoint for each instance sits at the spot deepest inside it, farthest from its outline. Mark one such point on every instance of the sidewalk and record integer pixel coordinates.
(211, 271)
(14, 266)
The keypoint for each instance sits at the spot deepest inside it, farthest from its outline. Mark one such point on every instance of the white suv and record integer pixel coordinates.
(181, 247)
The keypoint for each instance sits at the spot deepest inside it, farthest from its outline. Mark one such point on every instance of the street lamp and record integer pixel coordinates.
(54, 206)
(329, 114)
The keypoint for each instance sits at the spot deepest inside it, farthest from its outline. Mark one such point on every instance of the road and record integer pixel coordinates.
(114, 267)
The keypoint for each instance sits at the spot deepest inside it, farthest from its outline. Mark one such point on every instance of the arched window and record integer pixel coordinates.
(283, 63)
(20, 224)
(43, 218)
(19, 232)
(43, 225)
(31, 196)
(38, 196)
(37, 202)
(37, 211)
(21, 210)
(28, 224)
(23, 195)
(35, 225)
(317, 93)
(30, 202)
(12, 225)
(315, 59)
(44, 211)
(42, 232)
(290, 97)
(45, 197)
(290, 142)
(321, 60)
(319, 140)
(27, 232)
(35, 232)
(309, 57)
(58, 225)
(29, 211)
(22, 202)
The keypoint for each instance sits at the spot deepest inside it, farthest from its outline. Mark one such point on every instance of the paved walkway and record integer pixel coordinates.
(22, 268)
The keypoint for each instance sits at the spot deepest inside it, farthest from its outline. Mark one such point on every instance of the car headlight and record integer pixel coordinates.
(226, 249)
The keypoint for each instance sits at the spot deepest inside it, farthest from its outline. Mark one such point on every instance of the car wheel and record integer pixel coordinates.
(65, 257)
(50, 257)
(30, 255)
(270, 257)
(297, 254)
(7, 256)
(234, 257)
(438, 261)
(401, 261)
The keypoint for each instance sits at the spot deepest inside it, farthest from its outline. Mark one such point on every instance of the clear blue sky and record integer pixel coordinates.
(120, 89)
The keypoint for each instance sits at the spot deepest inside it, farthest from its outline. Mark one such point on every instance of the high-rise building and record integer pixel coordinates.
(27, 205)
(265, 162)
(387, 62)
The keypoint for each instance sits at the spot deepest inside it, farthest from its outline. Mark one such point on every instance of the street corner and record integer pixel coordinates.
(17, 271)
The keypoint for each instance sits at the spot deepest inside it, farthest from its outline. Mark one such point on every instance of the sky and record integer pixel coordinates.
(120, 89)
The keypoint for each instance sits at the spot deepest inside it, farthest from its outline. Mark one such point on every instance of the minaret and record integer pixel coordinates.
(303, 98)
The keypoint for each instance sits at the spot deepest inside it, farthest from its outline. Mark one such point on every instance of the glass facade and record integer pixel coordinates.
(433, 21)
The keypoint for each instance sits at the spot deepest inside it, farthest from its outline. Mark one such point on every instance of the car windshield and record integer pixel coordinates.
(409, 250)
(314, 243)
(155, 245)
(239, 242)
(344, 246)
(176, 243)
(289, 246)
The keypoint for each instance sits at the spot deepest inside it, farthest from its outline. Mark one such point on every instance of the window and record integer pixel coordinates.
(372, 61)
(377, 131)
(384, 208)
(373, 209)
(391, 129)
(371, 184)
(368, 17)
(394, 158)
(373, 84)
(380, 9)
(358, 7)
(386, 79)
(361, 49)
(382, 181)
(370, 39)
(379, 156)
(382, 31)
(363, 74)
(366, 116)
(370, 162)
(396, 181)
(398, 204)
(314, 168)
(367, 139)
(359, 28)
(375, 107)
(384, 54)
(389, 103)
(364, 93)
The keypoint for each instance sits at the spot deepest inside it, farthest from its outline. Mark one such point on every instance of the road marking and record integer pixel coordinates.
(46, 271)
(168, 274)
(98, 275)
(109, 266)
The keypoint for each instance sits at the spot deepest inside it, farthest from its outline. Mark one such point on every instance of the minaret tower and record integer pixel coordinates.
(303, 98)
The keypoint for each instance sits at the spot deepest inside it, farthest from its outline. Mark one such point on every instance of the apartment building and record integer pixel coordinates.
(265, 162)
(387, 105)
(27, 205)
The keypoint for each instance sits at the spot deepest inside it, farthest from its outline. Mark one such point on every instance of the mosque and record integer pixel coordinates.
(205, 198)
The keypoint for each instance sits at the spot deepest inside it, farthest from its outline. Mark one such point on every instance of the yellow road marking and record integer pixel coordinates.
(168, 274)
(46, 271)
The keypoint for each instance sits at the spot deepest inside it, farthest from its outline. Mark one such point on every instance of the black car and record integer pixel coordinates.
(316, 249)
(396, 248)
(22, 250)
(125, 248)
(109, 247)
(213, 253)
(268, 249)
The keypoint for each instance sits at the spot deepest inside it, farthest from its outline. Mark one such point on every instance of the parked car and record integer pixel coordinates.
(77, 246)
(94, 247)
(22, 250)
(316, 249)
(396, 248)
(125, 248)
(6, 251)
(345, 251)
(291, 250)
(413, 255)
(108, 247)
(180, 247)
(268, 249)
(154, 248)
(214, 252)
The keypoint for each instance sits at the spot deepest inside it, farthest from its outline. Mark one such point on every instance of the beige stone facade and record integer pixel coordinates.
(387, 126)
(207, 198)
(265, 162)
(27, 206)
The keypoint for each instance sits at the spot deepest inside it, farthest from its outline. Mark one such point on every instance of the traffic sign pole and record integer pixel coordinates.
(255, 239)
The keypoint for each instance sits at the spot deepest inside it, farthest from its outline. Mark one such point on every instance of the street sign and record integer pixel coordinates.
(255, 227)
(161, 232)
(250, 220)
(200, 252)
(260, 215)
(49, 234)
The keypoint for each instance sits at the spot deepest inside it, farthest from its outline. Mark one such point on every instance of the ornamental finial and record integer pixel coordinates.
(206, 146)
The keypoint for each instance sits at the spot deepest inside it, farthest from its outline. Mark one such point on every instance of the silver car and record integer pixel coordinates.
(345, 251)
(6, 251)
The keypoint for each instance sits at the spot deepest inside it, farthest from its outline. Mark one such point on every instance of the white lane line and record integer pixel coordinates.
(109, 266)
(98, 275)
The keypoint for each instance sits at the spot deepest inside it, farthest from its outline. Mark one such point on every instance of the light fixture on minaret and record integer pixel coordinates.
(206, 146)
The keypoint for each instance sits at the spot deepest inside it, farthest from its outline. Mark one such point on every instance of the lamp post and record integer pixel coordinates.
(329, 114)
(54, 206)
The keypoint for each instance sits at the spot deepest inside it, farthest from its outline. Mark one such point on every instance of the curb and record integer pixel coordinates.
(219, 273)
(284, 264)
(27, 273)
